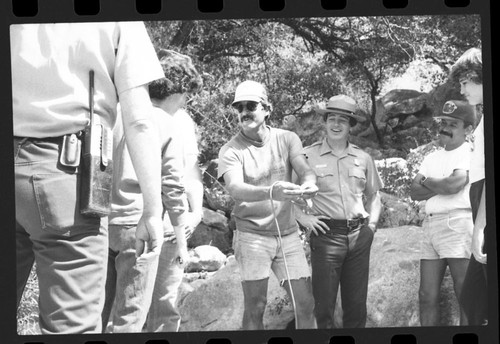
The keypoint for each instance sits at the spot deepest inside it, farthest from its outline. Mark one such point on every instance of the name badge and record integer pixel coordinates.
(356, 162)
(320, 166)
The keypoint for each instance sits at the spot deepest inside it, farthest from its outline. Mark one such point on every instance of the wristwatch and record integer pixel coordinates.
(422, 180)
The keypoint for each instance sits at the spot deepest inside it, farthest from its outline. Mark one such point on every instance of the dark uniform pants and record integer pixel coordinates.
(70, 250)
(474, 296)
(341, 259)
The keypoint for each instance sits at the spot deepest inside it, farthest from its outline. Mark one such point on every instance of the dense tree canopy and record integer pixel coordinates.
(304, 61)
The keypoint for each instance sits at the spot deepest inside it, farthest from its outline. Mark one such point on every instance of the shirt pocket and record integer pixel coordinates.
(324, 178)
(357, 180)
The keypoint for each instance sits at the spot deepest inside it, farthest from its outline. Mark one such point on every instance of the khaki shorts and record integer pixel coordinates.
(258, 254)
(447, 235)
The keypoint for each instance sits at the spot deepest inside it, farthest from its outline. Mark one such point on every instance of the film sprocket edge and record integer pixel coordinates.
(245, 12)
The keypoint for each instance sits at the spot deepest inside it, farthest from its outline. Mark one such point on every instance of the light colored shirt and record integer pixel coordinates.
(50, 73)
(477, 156)
(441, 164)
(342, 180)
(262, 164)
(126, 198)
(186, 133)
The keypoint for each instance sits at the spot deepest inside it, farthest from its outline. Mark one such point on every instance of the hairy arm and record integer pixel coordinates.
(144, 148)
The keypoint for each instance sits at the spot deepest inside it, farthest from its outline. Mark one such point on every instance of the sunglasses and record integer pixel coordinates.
(250, 106)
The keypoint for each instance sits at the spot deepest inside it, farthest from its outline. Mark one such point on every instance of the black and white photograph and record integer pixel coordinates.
(288, 173)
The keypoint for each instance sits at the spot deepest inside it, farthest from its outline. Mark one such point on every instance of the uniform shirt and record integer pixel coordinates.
(50, 73)
(126, 198)
(342, 180)
(477, 157)
(262, 164)
(440, 164)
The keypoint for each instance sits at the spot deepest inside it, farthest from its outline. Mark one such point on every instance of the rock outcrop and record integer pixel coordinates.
(216, 303)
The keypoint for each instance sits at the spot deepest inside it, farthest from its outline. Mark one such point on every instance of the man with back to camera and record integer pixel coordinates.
(343, 222)
(257, 165)
(163, 314)
(50, 89)
(468, 72)
(130, 284)
(443, 182)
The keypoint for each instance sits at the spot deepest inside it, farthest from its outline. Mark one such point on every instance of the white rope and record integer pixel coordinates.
(283, 253)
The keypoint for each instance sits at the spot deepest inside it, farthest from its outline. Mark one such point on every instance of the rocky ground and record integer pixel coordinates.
(215, 302)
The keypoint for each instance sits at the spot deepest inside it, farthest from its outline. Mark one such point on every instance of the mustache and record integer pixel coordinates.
(442, 132)
(246, 117)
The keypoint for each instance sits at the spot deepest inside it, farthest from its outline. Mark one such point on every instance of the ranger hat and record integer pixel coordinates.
(250, 91)
(458, 109)
(341, 105)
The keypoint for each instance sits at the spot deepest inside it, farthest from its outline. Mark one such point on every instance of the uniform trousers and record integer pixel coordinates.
(474, 296)
(341, 259)
(70, 250)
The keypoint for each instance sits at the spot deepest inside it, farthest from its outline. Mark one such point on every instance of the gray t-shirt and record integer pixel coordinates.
(262, 163)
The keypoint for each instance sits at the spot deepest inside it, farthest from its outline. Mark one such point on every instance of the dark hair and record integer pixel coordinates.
(180, 76)
(469, 65)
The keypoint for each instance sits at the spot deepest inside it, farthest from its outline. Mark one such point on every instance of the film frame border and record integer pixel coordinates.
(127, 10)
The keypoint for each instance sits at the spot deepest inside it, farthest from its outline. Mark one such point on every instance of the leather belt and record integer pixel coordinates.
(344, 226)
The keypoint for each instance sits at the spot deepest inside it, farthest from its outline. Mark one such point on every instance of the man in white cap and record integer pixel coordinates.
(342, 222)
(443, 181)
(257, 166)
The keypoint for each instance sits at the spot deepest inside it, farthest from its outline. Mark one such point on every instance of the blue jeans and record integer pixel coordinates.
(163, 313)
(341, 259)
(129, 285)
(70, 250)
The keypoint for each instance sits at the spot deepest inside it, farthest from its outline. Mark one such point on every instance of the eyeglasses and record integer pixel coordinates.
(449, 107)
(250, 106)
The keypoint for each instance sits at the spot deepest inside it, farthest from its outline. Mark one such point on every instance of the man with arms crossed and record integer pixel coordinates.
(443, 181)
(257, 167)
(342, 222)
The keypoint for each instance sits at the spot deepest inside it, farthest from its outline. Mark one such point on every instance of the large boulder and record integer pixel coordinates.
(205, 258)
(395, 278)
(213, 230)
(216, 304)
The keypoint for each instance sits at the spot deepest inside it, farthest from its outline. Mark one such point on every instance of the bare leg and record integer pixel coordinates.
(304, 302)
(255, 299)
(431, 276)
(458, 269)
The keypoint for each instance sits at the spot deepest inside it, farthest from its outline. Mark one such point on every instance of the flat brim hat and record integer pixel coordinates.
(341, 105)
(250, 91)
(458, 109)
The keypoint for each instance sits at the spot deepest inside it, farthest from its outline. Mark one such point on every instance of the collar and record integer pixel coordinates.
(325, 149)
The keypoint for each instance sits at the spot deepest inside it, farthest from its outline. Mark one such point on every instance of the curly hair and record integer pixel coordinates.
(469, 65)
(180, 76)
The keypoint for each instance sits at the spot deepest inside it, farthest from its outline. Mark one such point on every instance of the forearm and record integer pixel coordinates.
(421, 193)
(194, 188)
(143, 145)
(248, 193)
(308, 176)
(144, 148)
(480, 221)
(445, 186)
(373, 207)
